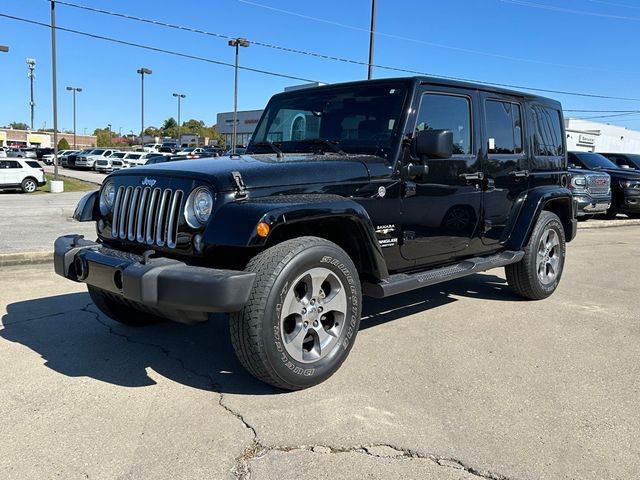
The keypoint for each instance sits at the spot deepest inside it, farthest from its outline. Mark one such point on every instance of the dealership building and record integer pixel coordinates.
(10, 137)
(587, 136)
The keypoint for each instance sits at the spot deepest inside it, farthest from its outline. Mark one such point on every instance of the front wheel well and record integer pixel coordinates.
(344, 232)
(563, 209)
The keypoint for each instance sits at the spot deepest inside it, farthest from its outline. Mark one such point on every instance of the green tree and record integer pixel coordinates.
(103, 137)
(19, 126)
(153, 132)
(63, 144)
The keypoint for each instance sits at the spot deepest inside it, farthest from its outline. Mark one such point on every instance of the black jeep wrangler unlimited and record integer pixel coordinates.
(366, 188)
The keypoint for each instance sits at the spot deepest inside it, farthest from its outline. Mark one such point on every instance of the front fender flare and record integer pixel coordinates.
(234, 224)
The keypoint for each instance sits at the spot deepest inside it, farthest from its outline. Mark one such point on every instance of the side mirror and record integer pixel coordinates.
(433, 143)
(412, 171)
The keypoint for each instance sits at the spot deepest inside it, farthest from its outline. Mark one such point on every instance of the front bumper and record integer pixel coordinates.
(588, 204)
(164, 286)
(631, 201)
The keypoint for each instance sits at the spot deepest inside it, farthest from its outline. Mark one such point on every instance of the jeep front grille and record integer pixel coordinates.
(147, 215)
(598, 183)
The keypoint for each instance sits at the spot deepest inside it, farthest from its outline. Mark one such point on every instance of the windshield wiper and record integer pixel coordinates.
(322, 141)
(269, 144)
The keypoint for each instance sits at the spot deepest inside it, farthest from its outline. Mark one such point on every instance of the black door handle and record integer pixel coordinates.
(470, 177)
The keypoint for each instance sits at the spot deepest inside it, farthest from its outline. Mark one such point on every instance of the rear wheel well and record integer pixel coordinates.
(562, 207)
(342, 231)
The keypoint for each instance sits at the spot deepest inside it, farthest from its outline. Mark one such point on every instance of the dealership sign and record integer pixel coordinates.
(587, 139)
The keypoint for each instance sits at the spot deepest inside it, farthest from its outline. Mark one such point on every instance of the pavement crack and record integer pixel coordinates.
(44, 317)
(378, 450)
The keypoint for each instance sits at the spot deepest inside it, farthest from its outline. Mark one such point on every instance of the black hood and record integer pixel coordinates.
(262, 170)
(620, 173)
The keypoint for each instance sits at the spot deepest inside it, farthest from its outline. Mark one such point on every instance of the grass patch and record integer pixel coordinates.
(70, 184)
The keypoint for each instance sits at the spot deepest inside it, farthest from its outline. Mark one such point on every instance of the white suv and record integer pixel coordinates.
(19, 173)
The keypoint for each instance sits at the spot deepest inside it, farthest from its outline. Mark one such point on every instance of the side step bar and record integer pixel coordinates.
(403, 282)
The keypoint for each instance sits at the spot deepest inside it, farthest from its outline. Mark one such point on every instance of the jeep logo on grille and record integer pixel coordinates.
(601, 182)
(148, 182)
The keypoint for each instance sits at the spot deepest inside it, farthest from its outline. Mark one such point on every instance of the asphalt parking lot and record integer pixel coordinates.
(458, 381)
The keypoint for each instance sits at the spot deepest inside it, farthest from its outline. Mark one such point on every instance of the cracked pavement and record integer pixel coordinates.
(456, 381)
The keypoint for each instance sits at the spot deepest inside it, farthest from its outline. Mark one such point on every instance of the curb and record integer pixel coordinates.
(619, 222)
(25, 258)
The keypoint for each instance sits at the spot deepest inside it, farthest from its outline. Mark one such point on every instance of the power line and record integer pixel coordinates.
(610, 116)
(552, 8)
(612, 4)
(155, 49)
(344, 60)
(423, 42)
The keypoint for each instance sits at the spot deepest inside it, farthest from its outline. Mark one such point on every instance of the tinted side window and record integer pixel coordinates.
(13, 164)
(547, 140)
(504, 127)
(449, 112)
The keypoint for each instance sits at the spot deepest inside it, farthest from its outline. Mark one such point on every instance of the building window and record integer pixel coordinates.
(299, 127)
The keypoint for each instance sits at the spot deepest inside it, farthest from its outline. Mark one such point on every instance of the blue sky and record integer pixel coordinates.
(586, 46)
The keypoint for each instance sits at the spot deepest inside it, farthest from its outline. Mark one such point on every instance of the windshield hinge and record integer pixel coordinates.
(238, 183)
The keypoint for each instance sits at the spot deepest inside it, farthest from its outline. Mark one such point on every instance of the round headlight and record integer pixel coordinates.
(107, 197)
(199, 207)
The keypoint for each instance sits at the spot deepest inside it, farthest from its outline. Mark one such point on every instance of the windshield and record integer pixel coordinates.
(595, 160)
(363, 119)
(117, 155)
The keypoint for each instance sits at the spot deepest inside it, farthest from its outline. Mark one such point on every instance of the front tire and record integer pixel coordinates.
(120, 312)
(538, 274)
(302, 316)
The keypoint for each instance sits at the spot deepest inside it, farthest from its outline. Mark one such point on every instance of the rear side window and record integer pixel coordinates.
(33, 164)
(12, 164)
(547, 140)
(504, 127)
(447, 112)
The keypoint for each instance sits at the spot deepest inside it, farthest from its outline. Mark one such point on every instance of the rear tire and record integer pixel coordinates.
(303, 314)
(537, 275)
(119, 312)
(29, 185)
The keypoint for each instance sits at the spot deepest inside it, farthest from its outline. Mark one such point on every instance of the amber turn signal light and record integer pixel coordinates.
(263, 229)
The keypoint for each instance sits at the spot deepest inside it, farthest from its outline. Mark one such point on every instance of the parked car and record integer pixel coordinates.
(22, 153)
(387, 186)
(47, 159)
(214, 151)
(73, 157)
(3, 153)
(41, 152)
(173, 146)
(624, 160)
(115, 161)
(88, 160)
(191, 152)
(592, 190)
(18, 173)
(135, 159)
(625, 184)
(151, 147)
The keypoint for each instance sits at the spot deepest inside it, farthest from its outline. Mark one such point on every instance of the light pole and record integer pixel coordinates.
(236, 43)
(142, 71)
(373, 27)
(31, 65)
(109, 127)
(74, 90)
(179, 96)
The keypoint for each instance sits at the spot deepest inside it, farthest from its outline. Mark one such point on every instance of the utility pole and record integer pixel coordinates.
(74, 89)
(371, 34)
(179, 96)
(236, 43)
(31, 65)
(56, 185)
(142, 71)
(4, 49)
(109, 127)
